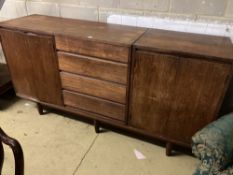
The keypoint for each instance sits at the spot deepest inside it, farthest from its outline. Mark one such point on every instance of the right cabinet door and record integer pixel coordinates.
(173, 97)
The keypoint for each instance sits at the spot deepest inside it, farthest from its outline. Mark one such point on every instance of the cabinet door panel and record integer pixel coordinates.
(33, 65)
(198, 93)
(152, 88)
(174, 97)
(16, 53)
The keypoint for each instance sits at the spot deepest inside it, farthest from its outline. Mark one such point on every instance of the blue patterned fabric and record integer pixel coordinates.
(213, 145)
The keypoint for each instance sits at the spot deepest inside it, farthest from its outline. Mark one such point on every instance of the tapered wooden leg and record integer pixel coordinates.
(40, 109)
(169, 149)
(1, 156)
(97, 126)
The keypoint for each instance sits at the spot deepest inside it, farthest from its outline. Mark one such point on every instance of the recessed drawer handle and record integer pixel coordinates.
(31, 34)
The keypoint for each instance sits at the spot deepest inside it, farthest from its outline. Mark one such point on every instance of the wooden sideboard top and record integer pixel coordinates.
(103, 32)
(187, 44)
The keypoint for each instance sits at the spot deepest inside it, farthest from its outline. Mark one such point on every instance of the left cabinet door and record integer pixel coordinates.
(32, 62)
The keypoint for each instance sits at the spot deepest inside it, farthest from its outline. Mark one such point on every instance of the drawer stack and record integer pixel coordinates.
(93, 76)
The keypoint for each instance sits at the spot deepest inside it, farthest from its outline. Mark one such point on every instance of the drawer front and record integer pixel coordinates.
(95, 105)
(94, 87)
(92, 48)
(93, 67)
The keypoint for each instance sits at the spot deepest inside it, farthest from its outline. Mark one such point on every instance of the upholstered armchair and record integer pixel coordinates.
(213, 145)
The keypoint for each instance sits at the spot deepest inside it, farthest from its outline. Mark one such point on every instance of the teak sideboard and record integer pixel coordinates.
(161, 84)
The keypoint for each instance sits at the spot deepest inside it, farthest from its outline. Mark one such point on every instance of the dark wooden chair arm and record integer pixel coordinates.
(17, 151)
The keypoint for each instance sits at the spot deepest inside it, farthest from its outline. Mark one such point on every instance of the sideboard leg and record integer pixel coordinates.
(97, 126)
(169, 149)
(40, 109)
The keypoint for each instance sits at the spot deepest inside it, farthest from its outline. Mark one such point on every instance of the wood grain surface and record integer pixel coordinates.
(175, 96)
